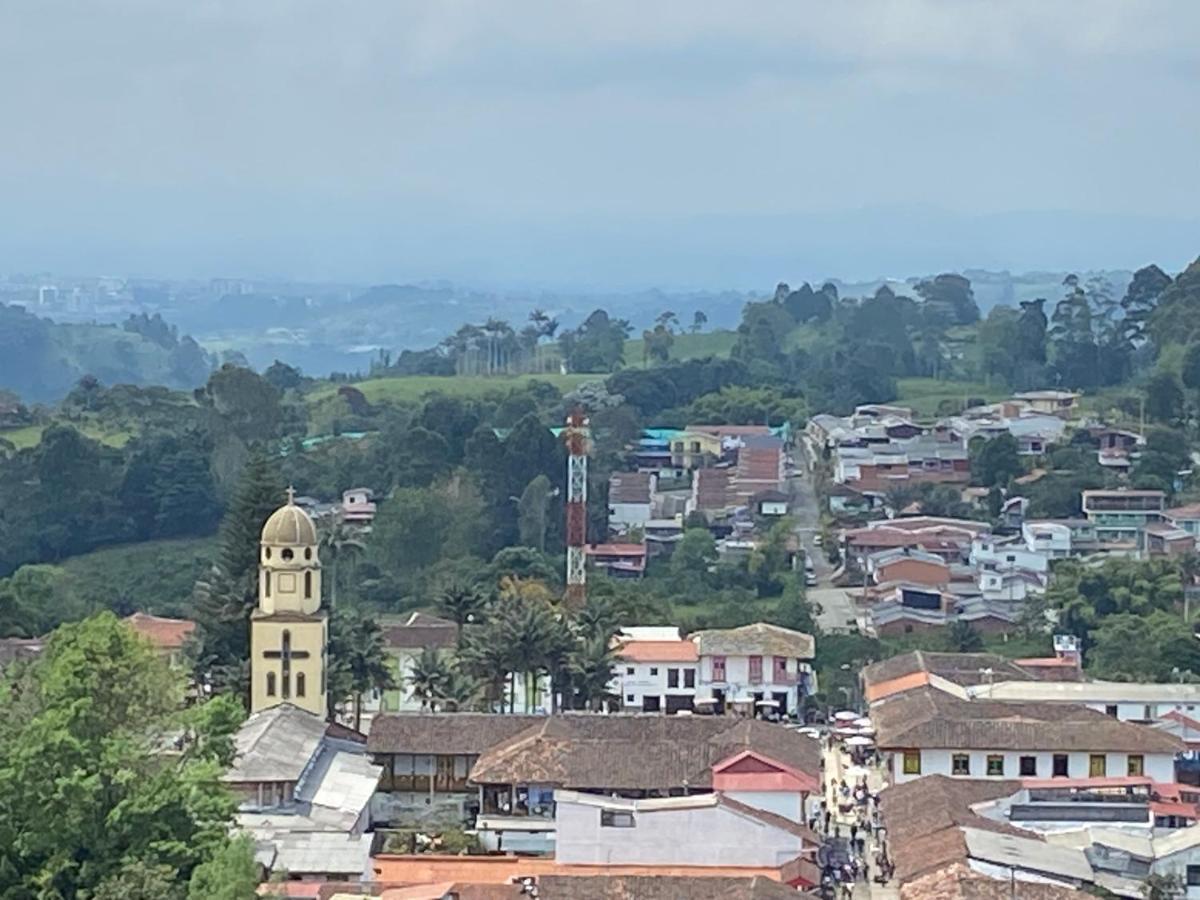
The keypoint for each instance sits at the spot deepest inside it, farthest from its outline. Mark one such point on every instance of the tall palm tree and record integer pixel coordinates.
(484, 657)
(358, 659)
(591, 667)
(461, 600)
(339, 543)
(430, 677)
(462, 691)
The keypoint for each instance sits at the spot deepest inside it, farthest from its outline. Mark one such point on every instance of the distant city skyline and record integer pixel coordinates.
(597, 146)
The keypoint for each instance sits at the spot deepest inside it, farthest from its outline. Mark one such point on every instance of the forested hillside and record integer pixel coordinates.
(41, 360)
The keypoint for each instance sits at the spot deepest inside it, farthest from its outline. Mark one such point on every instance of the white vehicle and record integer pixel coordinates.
(817, 540)
(810, 579)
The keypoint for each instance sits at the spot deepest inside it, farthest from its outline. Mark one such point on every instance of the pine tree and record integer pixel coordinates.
(225, 599)
(259, 493)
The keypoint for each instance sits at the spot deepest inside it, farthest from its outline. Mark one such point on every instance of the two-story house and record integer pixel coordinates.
(1120, 515)
(757, 668)
(656, 675)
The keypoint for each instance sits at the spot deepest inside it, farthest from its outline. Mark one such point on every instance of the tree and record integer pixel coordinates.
(245, 404)
(694, 554)
(283, 377)
(231, 874)
(461, 600)
(591, 669)
(1140, 300)
(339, 543)
(531, 512)
(1143, 648)
(84, 792)
(949, 299)
(1164, 398)
(995, 461)
(699, 320)
(963, 638)
(598, 345)
(225, 598)
(430, 677)
(1174, 319)
(138, 880)
(1190, 373)
(358, 659)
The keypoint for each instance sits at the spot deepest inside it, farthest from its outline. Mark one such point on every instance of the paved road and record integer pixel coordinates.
(836, 608)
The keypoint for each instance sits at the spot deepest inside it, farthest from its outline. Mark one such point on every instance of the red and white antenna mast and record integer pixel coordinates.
(576, 436)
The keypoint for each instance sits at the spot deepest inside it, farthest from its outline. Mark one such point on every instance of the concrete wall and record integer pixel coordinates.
(1177, 864)
(649, 679)
(1158, 766)
(627, 515)
(783, 803)
(701, 836)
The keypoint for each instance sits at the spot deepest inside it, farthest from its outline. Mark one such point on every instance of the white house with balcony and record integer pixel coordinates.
(1050, 539)
(759, 669)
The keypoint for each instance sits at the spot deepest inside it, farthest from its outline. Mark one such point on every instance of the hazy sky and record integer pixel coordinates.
(597, 143)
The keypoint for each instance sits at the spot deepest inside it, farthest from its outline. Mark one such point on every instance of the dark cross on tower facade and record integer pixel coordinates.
(286, 654)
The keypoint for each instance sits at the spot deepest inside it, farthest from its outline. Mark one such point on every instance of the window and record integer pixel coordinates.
(299, 684)
(780, 668)
(1147, 712)
(651, 704)
(756, 670)
(1028, 767)
(267, 583)
(611, 818)
(629, 698)
(912, 762)
(718, 668)
(1193, 876)
(689, 678)
(308, 552)
(1111, 710)
(995, 764)
(654, 670)
(1097, 767)
(308, 585)
(960, 764)
(287, 554)
(1059, 769)
(1136, 764)
(629, 670)
(672, 678)
(270, 684)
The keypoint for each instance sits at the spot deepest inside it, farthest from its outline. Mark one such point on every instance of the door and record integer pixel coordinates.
(651, 704)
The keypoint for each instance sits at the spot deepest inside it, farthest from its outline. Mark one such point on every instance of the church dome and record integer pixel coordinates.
(289, 525)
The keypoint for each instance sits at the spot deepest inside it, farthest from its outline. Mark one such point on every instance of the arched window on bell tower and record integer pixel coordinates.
(299, 684)
(270, 684)
(267, 582)
(308, 585)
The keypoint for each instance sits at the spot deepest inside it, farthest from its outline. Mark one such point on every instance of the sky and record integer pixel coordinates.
(670, 143)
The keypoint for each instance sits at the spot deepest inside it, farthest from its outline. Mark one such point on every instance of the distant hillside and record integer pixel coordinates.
(42, 360)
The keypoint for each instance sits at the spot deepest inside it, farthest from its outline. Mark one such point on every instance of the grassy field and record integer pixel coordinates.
(31, 435)
(925, 395)
(686, 346)
(412, 387)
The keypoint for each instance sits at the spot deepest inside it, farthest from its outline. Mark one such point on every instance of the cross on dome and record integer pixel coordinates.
(291, 495)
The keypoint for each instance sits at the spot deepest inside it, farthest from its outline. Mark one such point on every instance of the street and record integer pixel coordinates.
(836, 610)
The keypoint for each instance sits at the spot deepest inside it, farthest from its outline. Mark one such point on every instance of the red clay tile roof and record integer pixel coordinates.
(163, 633)
(659, 651)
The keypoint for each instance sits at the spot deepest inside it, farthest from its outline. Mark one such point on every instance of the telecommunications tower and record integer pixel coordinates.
(576, 437)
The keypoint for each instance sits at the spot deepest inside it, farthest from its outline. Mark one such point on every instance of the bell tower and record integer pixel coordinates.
(289, 632)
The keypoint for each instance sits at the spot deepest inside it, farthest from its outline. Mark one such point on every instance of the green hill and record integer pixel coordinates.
(686, 346)
(41, 360)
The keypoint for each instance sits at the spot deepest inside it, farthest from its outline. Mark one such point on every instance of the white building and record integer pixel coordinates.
(700, 830)
(930, 732)
(630, 500)
(1051, 539)
(756, 668)
(656, 674)
(988, 553)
